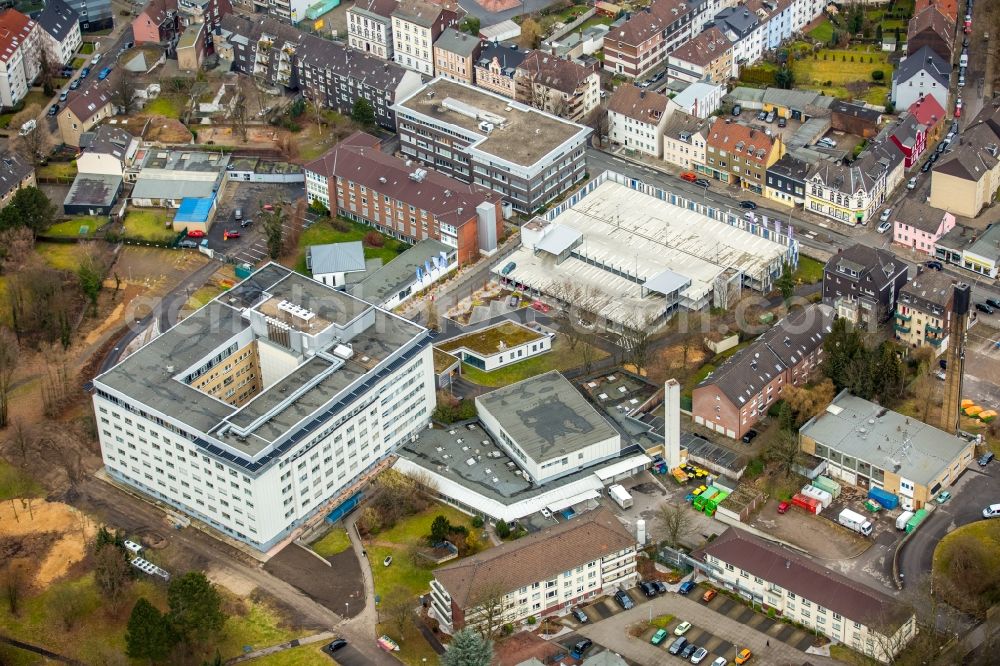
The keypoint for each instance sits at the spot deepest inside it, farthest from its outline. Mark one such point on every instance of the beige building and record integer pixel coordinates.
(684, 140)
(707, 56)
(967, 180)
(923, 311)
(636, 119)
(455, 54)
(15, 173)
(86, 109)
(912, 460)
(496, 66)
(416, 25)
(557, 86)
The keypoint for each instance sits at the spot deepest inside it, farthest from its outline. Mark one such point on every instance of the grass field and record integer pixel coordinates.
(838, 68)
(987, 533)
(78, 63)
(63, 171)
(149, 225)
(62, 256)
(164, 106)
(87, 48)
(203, 295)
(71, 228)
(809, 271)
(561, 357)
(14, 483)
(823, 32)
(323, 232)
(333, 542)
(304, 655)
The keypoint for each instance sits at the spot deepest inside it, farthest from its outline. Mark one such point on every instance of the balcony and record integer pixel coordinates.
(934, 341)
(904, 317)
(933, 330)
(899, 328)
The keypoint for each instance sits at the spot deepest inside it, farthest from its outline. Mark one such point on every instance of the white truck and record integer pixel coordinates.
(903, 519)
(620, 495)
(855, 521)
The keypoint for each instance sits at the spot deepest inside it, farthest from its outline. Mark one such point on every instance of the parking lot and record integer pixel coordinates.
(251, 246)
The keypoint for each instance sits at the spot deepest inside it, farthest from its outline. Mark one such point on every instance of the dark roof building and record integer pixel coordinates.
(92, 194)
(854, 119)
(786, 179)
(15, 173)
(58, 19)
(933, 29)
(862, 283)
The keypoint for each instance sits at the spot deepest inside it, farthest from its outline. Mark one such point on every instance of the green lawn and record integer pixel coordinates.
(838, 68)
(333, 542)
(71, 228)
(36, 97)
(594, 20)
(163, 106)
(14, 483)
(203, 295)
(304, 655)
(809, 271)
(414, 650)
(149, 224)
(62, 171)
(87, 48)
(323, 232)
(62, 256)
(260, 627)
(560, 357)
(987, 532)
(823, 32)
(78, 63)
(662, 621)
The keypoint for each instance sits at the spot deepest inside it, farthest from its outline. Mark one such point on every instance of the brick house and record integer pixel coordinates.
(740, 154)
(738, 393)
(644, 40)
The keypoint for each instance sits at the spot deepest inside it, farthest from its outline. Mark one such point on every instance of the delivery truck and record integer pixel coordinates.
(620, 495)
(855, 521)
(903, 519)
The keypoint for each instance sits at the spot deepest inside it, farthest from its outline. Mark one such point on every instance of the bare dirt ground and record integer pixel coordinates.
(167, 130)
(51, 535)
(257, 137)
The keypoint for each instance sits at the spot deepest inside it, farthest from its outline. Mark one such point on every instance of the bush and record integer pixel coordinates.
(374, 239)
(532, 619)
(343, 226)
(477, 522)
(878, 75)
(502, 529)
(508, 629)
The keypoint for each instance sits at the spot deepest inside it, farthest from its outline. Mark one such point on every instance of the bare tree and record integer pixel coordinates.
(490, 613)
(14, 584)
(239, 115)
(433, 318)
(70, 603)
(674, 523)
(20, 439)
(123, 91)
(598, 121)
(33, 144)
(783, 452)
(398, 612)
(112, 574)
(634, 339)
(47, 70)
(9, 355)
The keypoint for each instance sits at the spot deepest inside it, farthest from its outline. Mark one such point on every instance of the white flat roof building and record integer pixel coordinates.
(266, 407)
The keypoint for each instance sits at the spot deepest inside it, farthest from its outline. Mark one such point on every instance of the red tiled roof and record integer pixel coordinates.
(927, 110)
(704, 49)
(740, 139)
(947, 7)
(14, 29)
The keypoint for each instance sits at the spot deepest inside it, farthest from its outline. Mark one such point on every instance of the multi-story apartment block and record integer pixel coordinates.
(60, 31)
(416, 25)
(496, 67)
(289, 11)
(369, 27)
(703, 12)
(968, 178)
(922, 72)
(539, 574)
(267, 407)
(278, 55)
(157, 24)
(809, 594)
(747, 33)
(455, 54)
(193, 14)
(738, 393)
(94, 14)
(684, 138)
(86, 109)
(526, 155)
(851, 194)
(20, 41)
(707, 56)
(923, 311)
(644, 40)
(862, 283)
(776, 17)
(15, 173)
(786, 181)
(557, 86)
(740, 154)
(357, 180)
(931, 28)
(637, 119)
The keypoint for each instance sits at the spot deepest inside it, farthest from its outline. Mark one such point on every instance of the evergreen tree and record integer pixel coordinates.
(785, 418)
(149, 635)
(786, 283)
(363, 112)
(468, 648)
(195, 607)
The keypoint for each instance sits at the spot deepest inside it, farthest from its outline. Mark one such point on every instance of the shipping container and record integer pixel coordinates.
(827, 484)
(810, 504)
(824, 497)
(883, 497)
(918, 518)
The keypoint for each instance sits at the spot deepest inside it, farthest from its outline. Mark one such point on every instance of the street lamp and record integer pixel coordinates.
(347, 608)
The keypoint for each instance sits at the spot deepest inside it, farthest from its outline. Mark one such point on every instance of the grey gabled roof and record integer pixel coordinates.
(381, 284)
(58, 19)
(881, 265)
(13, 169)
(456, 41)
(924, 59)
(346, 257)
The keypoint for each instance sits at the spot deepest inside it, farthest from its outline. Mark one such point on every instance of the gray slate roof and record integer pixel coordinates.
(924, 59)
(13, 169)
(94, 190)
(456, 41)
(336, 257)
(57, 19)
(378, 286)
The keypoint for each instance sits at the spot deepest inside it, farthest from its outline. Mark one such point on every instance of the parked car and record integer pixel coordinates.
(682, 628)
(624, 600)
(580, 648)
(958, 108)
(512, 302)
(85, 72)
(103, 74)
(689, 176)
(926, 167)
(743, 656)
(96, 59)
(934, 265)
(709, 595)
(686, 587)
(54, 109)
(196, 233)
(762, 115)
(506, 270)
(985, 459)
(749, 205)
(699, 655)
(911, 183)
(188, 244)
(701, 182)
(336, 644)
(677, 646)
(661, 587)
(720, 661)
(75, 84)
(783, 507)
(688, 650)
(770, 116)
(539, 306)
(748, 436)
(992, 511)
(782, 122)
(246, 223)
(985, 309)
(648, 589)
(63, 95)
(387, 561)
(737, 109)
(886, 214)
(884, 227)
(658, 637)
(943, 497)
(993, 303)
(580, 616)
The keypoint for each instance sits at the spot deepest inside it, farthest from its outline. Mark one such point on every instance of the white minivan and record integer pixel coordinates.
(992, 511)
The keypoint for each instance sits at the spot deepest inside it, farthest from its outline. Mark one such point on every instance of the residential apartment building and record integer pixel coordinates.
(496, 67)
(416, 25)
(931, 115)
(739, 392)
(786, 181)
(862, 284)
(776, 16)
(740, 154)
(913, 460)
(199, 20)
(922, 72)
(15, 173)
(87, 108)
(268, 408)
(804, 592)
(455, 55)
(369, 27)
(909, 136)
(919, 227)
(355, 179)
(967, 179)
(94, 14)
(746, 32)
(289, 11)
(527, 156)
(60, 31)
(636, 119)
(931, 28)
(20, 41)
(286, 58)
(557, 86)
(706, 56)
(550, 570)
(684, 138)
(851, 194)
(643, 41)
(923, 311)
(157, 24)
